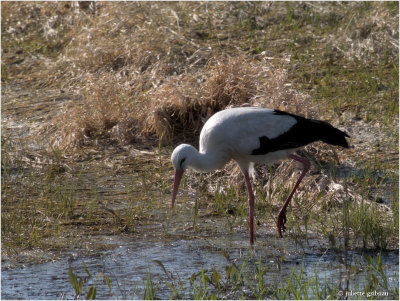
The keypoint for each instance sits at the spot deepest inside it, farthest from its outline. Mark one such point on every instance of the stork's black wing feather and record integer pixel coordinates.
(302, 133)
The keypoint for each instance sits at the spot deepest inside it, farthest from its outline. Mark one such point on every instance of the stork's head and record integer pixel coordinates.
(181, 158)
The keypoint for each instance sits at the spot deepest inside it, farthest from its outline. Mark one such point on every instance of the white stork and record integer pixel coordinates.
(251, 135)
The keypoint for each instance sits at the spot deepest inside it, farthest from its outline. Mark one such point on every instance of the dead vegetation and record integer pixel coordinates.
(105, 118)
(157, 69)
(182, 105)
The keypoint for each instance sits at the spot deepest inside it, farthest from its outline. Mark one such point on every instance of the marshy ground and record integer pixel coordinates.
(96, 96)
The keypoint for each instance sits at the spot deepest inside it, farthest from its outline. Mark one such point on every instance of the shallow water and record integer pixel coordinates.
(129, 264)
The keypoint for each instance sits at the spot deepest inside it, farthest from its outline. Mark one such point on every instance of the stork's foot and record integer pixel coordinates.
(281, 221)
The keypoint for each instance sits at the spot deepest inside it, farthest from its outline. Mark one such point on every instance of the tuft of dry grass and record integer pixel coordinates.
(181, 105)
(105, 117)
(177, 107)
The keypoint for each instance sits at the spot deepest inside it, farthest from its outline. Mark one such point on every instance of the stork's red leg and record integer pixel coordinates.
(282, 214)
(251, 205)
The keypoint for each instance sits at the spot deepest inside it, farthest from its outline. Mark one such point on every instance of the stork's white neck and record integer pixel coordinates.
(186, 156)
(206, 162)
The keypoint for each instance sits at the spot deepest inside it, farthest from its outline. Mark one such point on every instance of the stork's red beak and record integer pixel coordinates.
(177, 180)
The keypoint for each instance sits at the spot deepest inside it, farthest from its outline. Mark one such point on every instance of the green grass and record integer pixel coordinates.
(368, 225)
(46, 202)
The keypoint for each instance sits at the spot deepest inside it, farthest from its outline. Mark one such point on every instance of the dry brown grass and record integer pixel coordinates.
(180, 106)
(105, 117)
(142, 73)
(164, 62)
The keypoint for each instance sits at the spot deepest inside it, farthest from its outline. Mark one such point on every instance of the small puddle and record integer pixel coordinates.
(128, 265)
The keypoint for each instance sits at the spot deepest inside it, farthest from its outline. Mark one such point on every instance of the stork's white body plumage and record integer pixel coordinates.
(234, 133)
(252, 135)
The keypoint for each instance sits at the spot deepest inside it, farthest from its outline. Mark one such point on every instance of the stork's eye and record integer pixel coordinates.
(183, 160)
